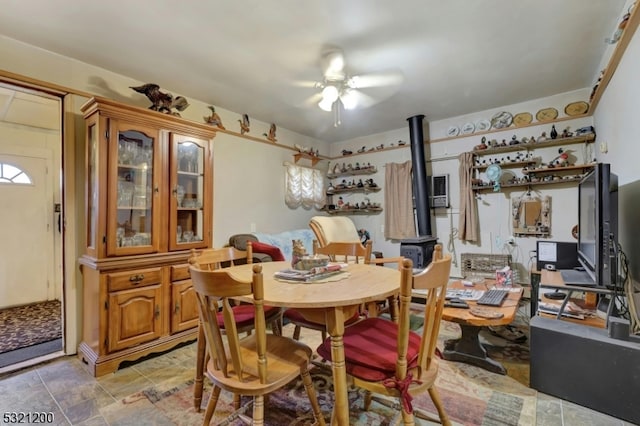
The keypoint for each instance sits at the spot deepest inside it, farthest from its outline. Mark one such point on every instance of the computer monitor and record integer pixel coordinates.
(598, 224)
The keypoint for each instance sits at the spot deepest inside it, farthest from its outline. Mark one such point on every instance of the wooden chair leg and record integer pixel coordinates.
(211, 405)
(236, 401)
(437, 402)
(324, 335)
(258, 410)
(296, 333)
(368, 397)
(200, 362)
(313, 398)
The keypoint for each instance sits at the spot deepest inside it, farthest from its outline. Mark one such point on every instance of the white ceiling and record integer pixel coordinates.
(250, 56)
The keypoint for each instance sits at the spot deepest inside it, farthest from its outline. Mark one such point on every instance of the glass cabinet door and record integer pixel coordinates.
(188, 224)
(132, 226)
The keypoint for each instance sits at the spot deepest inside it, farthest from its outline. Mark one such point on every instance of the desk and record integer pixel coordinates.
(468, 348)
(330, 303)
(553, 280)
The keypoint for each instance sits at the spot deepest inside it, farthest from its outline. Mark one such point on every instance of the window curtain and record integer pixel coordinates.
(399, 220)
(468, 225)
(304, 187)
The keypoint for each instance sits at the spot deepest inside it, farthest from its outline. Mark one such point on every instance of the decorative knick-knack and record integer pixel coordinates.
(244, 124)
(271, 136)
(180, 194)
(214, 119)
(554, 132)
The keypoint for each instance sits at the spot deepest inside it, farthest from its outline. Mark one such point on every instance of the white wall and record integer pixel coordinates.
(616, 119)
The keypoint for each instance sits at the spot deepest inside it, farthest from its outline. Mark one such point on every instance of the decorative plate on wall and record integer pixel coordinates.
(522, 119)
(468, 128)
(483, 125)
(547, 114)
(453, 131)
(501, 120)
(576, 108)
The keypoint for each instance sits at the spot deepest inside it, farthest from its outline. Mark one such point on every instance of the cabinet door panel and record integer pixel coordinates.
(134, 317)
(191, 186)
(185, 306)
(134, 182)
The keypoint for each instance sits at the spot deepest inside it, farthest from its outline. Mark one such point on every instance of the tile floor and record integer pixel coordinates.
(64, 388)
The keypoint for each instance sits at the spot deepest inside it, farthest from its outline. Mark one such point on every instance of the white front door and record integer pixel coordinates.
(27, 225)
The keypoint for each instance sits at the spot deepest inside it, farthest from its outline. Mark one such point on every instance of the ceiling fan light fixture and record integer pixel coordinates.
(330, 94)
(349, 100)
(326, 105)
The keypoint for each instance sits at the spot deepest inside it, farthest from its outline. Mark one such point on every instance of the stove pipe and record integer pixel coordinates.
(420, 184)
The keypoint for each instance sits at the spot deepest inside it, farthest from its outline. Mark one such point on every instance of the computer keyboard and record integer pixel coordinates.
(493, 297)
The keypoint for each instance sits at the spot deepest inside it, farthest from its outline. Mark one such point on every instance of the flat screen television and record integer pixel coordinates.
(598, 225)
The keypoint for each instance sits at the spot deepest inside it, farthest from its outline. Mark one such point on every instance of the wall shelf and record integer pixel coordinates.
(537, 145)
(355, 190)
(314, 158)
(372, 210)
(353, 172)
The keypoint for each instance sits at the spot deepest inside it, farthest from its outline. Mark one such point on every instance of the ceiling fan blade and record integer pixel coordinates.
(388, 78)
(306, 84)
(312, 100)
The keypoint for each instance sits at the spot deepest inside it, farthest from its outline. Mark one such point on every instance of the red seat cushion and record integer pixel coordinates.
(295, 316)
(273, 251)
(245, 314)
(371, 349)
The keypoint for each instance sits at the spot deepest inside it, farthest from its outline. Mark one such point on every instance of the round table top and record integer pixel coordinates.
(364, 283)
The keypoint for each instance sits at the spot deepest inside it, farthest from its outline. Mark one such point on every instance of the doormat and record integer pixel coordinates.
(30, 325)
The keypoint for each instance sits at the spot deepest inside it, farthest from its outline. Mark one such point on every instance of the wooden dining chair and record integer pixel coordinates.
(256, 364)
(213, 259)
(337, 252)
(386, 358)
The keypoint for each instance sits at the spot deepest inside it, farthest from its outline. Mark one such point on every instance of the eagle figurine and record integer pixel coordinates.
(161, 101)
(271, 136)
(244, 124)
(214, 119)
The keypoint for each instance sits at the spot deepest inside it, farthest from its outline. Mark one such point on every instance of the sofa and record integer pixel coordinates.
(281, 240)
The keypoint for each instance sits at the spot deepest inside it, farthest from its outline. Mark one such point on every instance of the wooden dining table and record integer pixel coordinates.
(325, 302)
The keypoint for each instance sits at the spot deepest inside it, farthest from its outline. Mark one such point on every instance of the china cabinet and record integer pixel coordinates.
(148, 203)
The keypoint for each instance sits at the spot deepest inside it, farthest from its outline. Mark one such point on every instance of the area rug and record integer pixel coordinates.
(29, 325)
(471, 396)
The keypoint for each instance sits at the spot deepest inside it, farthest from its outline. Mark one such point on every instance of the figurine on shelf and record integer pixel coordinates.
(361, 150)
(482, 145)
(542, 138)
(360, 184)
(401, 143)
(554, 132)
(161, 101)
(214, 119)
(340, 203)
(336, 169)
(566, 133)
(346, 152)
(244, 124)
(271, 136)
(562, 160)
(381, 146)
(514, 140)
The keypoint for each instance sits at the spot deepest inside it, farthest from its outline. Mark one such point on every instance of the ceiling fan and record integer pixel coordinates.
(340, 90)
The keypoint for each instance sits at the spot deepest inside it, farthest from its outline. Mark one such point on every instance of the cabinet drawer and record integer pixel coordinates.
(132, 279)
(180, 272)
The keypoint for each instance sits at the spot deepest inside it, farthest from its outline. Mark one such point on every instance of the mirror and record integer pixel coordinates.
(531, 215)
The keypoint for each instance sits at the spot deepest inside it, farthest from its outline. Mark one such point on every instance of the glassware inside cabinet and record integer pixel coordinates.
(189, 192)
(134, 189)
